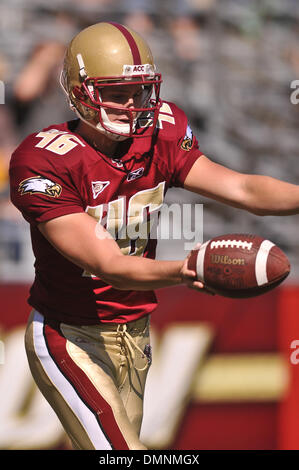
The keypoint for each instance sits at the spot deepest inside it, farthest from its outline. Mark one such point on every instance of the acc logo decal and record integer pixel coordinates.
(188, 140)
(139, 69)
(98, 187)
(39, 185)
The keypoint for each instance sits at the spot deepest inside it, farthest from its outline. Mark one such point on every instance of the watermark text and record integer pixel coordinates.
(2, 92)
(2, 355)
(182, 222)
(295, 94)
(294, 357)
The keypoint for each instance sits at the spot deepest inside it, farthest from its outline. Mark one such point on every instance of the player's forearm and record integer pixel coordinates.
(89, 246)
(268, 196)
(135, 273)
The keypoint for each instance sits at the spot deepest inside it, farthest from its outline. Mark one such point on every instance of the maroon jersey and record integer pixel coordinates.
(56, 172)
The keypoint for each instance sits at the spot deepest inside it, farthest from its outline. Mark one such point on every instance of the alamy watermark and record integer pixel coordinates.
(294, 357)
(2, 92)
(294, 97)
(2, 355)
(182, 222)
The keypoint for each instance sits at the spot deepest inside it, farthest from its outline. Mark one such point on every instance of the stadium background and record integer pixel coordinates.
(225, 373)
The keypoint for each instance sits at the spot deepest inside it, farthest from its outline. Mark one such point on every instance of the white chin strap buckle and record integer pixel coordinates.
(116, 131)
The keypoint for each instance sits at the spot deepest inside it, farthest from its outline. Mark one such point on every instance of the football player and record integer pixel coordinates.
(88, 189)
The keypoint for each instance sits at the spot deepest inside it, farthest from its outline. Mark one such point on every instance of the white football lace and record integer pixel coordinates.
(231, 243)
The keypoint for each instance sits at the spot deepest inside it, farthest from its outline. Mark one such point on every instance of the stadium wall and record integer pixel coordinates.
(225, 374)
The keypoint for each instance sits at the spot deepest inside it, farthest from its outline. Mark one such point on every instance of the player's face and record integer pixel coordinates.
(122, 97)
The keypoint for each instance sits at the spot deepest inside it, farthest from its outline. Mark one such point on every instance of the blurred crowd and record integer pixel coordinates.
(228, 63)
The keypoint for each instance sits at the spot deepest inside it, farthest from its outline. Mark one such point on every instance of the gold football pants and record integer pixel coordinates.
(93, 377)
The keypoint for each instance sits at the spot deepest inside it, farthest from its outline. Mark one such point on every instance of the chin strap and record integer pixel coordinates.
(116, 132)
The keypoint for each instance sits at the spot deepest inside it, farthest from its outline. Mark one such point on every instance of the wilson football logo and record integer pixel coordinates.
(40, 185)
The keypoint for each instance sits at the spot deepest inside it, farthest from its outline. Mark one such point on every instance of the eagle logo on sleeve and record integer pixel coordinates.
(188, 140)
(40, 185)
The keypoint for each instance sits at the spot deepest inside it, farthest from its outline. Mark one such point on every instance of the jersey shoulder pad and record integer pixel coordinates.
(56, 140)
(172, 121)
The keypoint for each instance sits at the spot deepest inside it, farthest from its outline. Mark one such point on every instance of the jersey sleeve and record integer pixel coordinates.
(186, 151)
(40, 188)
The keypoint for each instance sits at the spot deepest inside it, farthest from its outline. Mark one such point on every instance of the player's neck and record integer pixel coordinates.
(96, 139)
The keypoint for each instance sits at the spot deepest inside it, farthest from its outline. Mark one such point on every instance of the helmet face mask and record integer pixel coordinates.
(90, 95)
(108, 55)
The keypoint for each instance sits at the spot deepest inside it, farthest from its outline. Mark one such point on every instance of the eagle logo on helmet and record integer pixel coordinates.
(39, 185)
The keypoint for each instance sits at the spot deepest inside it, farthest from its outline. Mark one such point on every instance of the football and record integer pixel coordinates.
(239, 265)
